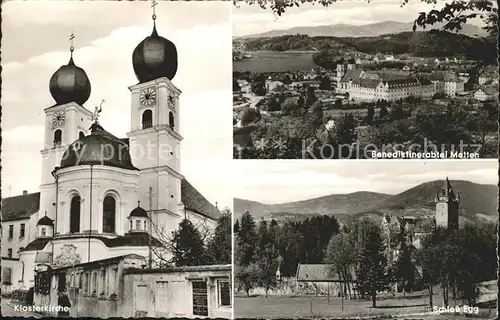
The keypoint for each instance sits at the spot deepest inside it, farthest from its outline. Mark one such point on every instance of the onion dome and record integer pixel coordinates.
(98, 148)
(45, 221)
(70, 84)
(139, 212)
(155, 57)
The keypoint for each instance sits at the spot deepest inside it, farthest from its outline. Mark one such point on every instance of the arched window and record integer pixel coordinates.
(57, 137)
(147, 119)
(171, 120)
(108, 215)
(74, 216)
(81, 135)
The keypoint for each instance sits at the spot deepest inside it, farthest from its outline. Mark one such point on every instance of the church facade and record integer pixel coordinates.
(102, 196)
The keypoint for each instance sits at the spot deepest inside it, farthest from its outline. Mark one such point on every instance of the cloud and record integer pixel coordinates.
(204, 77)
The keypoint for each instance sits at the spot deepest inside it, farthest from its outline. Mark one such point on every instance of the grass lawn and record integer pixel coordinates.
(273, 61)
(317, 307)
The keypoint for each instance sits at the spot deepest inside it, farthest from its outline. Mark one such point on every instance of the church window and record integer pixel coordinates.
(22, 271)
(102, 281)
(108, 215)
(21, 233)
(94, 282)
(74, 219)
(57, 137)
(131, 225)
(147, 119)
(44, 232)
(81, 135)
(145, 225)
(11, 231)
(137, 224)
(171, 120)
(80, 281)
(9, 253)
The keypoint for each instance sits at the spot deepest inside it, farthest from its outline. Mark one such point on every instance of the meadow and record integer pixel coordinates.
(305, 307)
(272, 61)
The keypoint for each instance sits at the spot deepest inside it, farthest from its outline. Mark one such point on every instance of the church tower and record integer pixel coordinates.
(154, 138)
(447, 207)
(65, 122)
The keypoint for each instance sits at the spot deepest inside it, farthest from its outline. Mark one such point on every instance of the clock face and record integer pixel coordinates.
(58, 118)
(148, 96)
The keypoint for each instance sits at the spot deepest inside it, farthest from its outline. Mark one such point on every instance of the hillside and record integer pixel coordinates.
(423, 44)
(337, 204)
(367, 30)
(476, 200)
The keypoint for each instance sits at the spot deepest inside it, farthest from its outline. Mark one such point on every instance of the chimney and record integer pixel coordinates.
(25, 192)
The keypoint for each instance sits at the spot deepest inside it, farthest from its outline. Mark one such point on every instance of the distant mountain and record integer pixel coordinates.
(367, 30)
(475, 200)
(337, 204)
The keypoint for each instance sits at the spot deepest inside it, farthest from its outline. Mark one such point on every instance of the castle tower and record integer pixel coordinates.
(447, 207)
(340, 74)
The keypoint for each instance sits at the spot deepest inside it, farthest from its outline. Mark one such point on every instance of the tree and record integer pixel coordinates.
(267, 256)
(405, 269)
(274, 105)
(341, 255)
(187, 244)
(249, 115)
(370, 114)
(247, 277)
(345, 129)
(325, 83)
(236, 85)
(258, 88)
(310, 97)
(236, 228)
(246, 240)
(219, 248)
(372, 276)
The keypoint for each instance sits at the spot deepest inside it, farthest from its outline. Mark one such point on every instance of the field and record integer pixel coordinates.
(318, 307)
(271, 61)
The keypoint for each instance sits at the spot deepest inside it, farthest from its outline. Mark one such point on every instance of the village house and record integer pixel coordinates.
(486, 94)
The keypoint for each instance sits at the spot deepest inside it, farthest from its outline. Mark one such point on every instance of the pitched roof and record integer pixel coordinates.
(490, 91)
(196, 202)
(351, 75)
(20, 207)
(367, 83)
(316, 273)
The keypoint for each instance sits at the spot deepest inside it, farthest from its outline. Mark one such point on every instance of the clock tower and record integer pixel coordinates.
(65, 121)
(154, 138)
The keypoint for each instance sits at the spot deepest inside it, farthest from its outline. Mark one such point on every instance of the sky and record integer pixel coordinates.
(35, 44)
(272, 182)
(251, 19)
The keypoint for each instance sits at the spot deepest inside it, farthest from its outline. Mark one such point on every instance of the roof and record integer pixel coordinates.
(367, 83)
(45, 221)
(351, 75)
(490, 91)
(136, 239)
(20, 207)
(139, 212)
(316, 273)
(196, 202)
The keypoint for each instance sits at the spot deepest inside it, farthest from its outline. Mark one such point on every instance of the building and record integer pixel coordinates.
(447, 207)
(100, 198)
(345, 75)
(318, 279)
(119, 286)
(488, 76)
(486, 94)
(390, 88)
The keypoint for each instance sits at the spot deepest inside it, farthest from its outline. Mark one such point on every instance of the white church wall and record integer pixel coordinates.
(120, 183)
